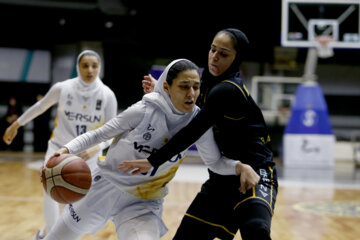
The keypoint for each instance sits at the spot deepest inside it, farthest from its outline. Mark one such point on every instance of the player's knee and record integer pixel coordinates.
(255, 229)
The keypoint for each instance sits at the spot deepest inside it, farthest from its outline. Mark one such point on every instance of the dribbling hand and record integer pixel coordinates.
(62, 150)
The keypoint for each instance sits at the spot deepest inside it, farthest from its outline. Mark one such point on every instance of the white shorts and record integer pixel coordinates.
(106, 202)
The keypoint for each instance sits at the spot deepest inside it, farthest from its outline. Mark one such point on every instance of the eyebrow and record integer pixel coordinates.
(188, 81)
(87, 63)
(223, 49)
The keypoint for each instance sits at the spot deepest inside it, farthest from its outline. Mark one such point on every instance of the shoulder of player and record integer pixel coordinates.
(65, 83)
(108, 90)
(228, 89)
(227, 85)
(137, 109)
(57, 87)
(132, 115)
(224, 89)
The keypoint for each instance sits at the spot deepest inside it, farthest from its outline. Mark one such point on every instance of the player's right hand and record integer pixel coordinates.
(148, 83)
(11, 133)
(62, 150)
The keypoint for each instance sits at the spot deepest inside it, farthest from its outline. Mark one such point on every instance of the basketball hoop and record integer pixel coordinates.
(324, 50)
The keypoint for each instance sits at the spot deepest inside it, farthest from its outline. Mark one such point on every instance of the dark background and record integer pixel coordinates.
(142, 32)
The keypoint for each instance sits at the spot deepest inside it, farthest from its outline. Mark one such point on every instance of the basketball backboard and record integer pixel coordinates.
(305, 21)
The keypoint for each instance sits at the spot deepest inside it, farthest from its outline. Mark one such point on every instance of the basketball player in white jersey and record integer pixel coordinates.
(83, 103)
(134, 202)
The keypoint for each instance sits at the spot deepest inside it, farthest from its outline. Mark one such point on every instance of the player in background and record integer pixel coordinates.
(14, 111)
(134, 203)
(220, 209)
(83, 103)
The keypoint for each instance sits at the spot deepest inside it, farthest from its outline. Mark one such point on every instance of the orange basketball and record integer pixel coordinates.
(66, 178)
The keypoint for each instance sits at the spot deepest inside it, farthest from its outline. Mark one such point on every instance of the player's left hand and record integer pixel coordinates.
(248, 177)
(148, 83)
(136, 166)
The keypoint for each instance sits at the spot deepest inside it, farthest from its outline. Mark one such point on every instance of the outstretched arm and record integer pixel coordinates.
(181, 141)
(123, 122)
(51, 97)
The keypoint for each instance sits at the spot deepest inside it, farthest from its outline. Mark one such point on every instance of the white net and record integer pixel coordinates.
(324, 49)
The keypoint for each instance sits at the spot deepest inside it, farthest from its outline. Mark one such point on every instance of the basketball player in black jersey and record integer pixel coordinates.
(220, 209)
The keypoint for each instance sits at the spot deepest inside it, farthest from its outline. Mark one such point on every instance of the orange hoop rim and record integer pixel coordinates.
(324, 40)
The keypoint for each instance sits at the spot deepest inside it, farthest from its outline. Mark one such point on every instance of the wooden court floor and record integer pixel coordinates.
(302, 212)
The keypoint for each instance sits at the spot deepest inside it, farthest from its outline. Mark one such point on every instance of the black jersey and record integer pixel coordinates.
(238, 124)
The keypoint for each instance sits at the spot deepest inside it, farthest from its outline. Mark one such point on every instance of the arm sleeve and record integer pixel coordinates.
(210, 154)
(110, 112)
(50, 98)
(125, 121)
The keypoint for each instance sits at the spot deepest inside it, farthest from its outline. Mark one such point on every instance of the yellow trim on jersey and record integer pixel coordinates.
(102, 158)
(247, 91)
(155, 187)
(242, 93)
(236, 119)
(212, 224)
(271, 190)
(252, 197)
(237, 87)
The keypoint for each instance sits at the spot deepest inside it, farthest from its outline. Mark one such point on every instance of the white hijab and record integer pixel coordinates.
(83, 88)
(161, 99)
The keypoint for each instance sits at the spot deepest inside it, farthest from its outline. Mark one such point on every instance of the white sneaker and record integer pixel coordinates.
(38, 236)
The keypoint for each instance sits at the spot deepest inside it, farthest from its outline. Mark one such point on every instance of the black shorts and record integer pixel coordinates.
(216, 210)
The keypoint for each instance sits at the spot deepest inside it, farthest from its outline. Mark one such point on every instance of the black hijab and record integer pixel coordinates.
(241, 45)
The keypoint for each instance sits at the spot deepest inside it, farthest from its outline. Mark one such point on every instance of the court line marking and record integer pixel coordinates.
(199, 174)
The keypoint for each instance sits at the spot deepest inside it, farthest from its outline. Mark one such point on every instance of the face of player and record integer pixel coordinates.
(221, 54)
(184, 90)
(89, 68)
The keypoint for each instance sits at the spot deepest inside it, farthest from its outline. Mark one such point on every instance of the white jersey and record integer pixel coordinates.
(140, 130)
(80, 108)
